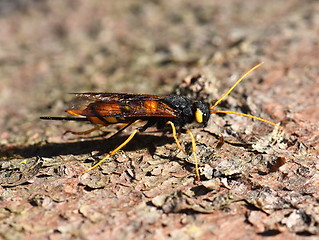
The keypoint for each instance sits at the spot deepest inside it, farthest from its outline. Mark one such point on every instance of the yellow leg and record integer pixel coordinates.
(124, 125)
(114, 151)
(193, 147)
(194, 154)
(175, 136)
(84, 132)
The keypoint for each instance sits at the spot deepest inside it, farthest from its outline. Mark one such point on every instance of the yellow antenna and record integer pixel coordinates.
(229, 91)
(246, 115)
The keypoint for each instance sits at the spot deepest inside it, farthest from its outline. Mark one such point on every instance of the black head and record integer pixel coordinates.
(202, 112)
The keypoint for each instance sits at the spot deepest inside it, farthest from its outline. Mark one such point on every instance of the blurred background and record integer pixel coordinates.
(51, 48)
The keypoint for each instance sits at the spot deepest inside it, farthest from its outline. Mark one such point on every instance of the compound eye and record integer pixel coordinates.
(198, 115)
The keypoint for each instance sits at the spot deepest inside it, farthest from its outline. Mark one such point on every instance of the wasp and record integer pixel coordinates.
(104, 109)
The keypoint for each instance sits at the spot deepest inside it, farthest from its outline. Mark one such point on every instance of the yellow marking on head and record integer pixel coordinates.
(198, 115)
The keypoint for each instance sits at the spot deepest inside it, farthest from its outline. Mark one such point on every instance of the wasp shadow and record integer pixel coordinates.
(85, 146)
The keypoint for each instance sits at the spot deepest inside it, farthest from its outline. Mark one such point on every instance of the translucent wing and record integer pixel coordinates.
(120, 105)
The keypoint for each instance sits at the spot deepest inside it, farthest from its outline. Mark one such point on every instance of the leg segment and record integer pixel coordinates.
(193, 147)
(84, 132)
(175, 135)
(114, 151)
(194, 154)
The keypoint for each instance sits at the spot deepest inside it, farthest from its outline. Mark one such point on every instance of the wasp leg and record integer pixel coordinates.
(114, 151)
(84, 132)
(194, 154)
(123, 127)
(175, 136)
(193, 147)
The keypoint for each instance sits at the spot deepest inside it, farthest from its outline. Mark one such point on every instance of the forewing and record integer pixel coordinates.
(106, 97)
(120, 105)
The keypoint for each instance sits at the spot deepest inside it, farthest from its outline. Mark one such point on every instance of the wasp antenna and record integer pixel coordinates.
(238, 113)
(236, 83)
(246, 115)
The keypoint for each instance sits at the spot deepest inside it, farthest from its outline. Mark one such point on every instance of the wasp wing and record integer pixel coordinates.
(103, 96)
(120, 105)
